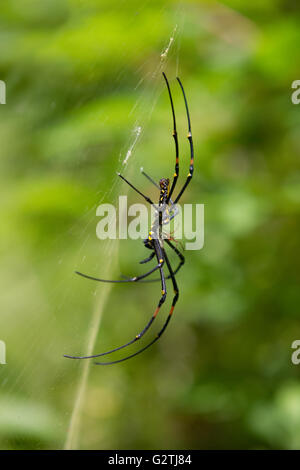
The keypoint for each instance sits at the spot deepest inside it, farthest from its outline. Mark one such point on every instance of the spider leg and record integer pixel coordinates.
(117, 281)
(180, 256)
(175, 298)
(176, 172)
(160, 258)
(190, 138)
(139, 192)
(146, 260)
(181, 262)
(149, 178)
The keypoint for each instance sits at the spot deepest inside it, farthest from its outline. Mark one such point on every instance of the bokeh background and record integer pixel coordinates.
(81, 76)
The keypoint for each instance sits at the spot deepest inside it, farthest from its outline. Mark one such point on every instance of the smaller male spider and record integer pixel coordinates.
(165, 211)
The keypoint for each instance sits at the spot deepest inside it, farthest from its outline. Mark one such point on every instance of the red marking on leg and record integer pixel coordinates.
(156, 312)
(172, 309)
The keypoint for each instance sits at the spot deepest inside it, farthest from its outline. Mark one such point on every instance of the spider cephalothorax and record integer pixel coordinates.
(164, 183)
(155, 241)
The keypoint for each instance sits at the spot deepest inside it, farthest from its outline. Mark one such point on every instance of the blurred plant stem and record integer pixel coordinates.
(72, 440)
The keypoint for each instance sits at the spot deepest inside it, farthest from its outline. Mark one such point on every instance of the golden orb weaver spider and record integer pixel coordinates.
(155, 241)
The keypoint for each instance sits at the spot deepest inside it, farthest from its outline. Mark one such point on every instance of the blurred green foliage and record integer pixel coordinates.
(80, 75)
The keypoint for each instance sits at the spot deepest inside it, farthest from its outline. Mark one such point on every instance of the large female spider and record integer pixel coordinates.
(155, 240)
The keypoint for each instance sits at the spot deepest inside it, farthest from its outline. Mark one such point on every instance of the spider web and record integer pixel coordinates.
(39, 350)
(140, 124)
